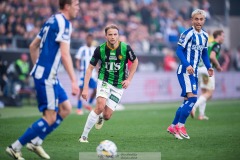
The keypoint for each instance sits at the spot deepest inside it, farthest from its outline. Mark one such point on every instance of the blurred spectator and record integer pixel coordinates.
(236, 59)
(3, 77)
(22, 70)
(224, 60)
(148, 17)
(169, 62)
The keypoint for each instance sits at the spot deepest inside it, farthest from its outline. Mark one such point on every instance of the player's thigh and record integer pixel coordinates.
(46, 95)
(207, 82)
(188, 83)
(114, 97)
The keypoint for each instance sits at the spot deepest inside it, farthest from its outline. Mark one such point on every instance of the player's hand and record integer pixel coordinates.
(75, 88)
(85, 94)
(190, 69)
(210, 72)
(125, 83)
(219, 69)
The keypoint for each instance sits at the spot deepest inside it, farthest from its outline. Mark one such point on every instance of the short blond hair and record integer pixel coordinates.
(199, 11)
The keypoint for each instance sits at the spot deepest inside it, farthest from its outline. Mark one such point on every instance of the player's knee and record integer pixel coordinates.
(50, 118)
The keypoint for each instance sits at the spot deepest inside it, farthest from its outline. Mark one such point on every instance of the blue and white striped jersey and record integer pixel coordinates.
(193, 43)
(55, 30)
(85, 54)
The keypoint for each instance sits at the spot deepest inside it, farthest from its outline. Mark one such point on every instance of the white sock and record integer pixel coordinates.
(180, 125)
(200, 101)
(37, 141)
(172, 125)
(17, 146)
(202, 108)
(91, 121)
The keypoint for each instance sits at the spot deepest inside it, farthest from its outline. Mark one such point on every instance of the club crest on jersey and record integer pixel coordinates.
(120, 57)
(194, 87)
(182, 38)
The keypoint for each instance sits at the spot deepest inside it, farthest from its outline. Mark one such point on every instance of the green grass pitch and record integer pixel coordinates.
(139, 128)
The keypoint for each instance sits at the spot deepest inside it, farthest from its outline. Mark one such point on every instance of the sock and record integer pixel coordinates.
(79, 104)
(177, 115)
(91, 100)
(202, 108)
(38, 128)
(39, 140)
(200, 101)
(91, 121)
(17, 145)
(186, 109)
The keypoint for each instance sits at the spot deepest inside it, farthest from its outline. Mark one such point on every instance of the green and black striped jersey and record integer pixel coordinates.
(113, 62)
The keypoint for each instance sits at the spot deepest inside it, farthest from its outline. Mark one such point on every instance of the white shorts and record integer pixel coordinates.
(205, 81)
(112, 94)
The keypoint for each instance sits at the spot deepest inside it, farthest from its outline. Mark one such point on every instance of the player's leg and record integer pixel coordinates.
(93, 118)
(171, 129)
(111, 105)
(79, 110)
(102, 94)
(48, 107)
(93, 86)
(191, 87)
(208, 95)
(201, 100)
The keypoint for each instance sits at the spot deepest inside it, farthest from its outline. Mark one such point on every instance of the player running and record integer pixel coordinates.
(207, 84)
(112, 78)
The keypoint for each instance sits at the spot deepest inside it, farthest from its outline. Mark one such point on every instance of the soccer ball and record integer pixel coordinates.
(107, 150)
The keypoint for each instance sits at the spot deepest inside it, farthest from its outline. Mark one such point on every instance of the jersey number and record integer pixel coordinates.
(45, 32)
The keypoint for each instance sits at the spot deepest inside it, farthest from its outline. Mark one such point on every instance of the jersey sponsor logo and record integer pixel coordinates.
(197, 47)
(92, 60)
(112, 66)
(114, 98)
(131, 55)
(112, 53)
(194, 87)
(112, 58)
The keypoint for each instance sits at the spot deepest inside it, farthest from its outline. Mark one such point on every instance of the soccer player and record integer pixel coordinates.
(47, 50)
(83, 58)
(192, 45)
(112, 78)
(207, 84)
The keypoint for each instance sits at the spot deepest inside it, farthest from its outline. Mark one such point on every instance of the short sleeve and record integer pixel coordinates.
(96, 56)
(64, 29)
(130, 54)
(184, 39)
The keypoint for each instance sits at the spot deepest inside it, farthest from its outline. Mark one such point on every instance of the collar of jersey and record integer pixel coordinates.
(113, 48)
(196, 32)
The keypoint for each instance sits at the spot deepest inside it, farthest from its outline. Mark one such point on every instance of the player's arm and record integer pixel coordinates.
(132, 57)
(67, 63)
(91, 66)
(77, 60)
(214, 60)
(206, 61)
(180, 54)
(86, 81)
(34, 49)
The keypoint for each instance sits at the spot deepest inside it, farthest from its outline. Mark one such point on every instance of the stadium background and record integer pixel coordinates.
(151, 27)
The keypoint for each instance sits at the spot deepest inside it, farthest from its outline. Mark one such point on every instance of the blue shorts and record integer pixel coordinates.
(92, 83)
(188, 83)
(49, 94)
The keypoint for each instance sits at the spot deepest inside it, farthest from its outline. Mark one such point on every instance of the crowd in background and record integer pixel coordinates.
(149, 25)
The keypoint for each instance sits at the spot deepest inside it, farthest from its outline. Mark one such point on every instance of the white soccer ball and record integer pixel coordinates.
(107, 150)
